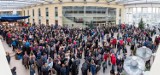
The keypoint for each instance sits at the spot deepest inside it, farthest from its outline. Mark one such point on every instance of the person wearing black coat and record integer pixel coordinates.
(8, 57)
(39, 63)
(13, 70)
(45, 69)
(63, 70)
(74, 68)
(58, 67)
(84, 68)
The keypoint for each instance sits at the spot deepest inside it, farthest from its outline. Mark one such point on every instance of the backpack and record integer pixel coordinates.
(84, 67)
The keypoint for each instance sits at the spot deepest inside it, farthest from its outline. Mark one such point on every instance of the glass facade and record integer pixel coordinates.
(89, 14)
(150, 15)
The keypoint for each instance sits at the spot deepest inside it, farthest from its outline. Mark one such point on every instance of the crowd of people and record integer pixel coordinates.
(56, 49)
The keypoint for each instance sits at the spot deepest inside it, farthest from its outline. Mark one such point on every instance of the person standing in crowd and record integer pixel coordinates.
(84, 68)
(58, 67)
(113, 61)
(13, 70)
(14, 44)
(62, 49)
(39, 64)
(32, 70)
(25, 60)
(93, 68)
(63, 70)
(8, 57)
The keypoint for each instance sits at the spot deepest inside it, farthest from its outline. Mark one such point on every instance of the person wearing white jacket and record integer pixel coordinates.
(50, 63)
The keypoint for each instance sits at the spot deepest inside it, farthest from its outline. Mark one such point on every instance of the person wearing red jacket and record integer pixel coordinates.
(128, 40)
(105, 57)
(113, 61)
(114, 42)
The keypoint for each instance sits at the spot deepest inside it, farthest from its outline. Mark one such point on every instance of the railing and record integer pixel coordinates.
(156, 64)
(4, 67)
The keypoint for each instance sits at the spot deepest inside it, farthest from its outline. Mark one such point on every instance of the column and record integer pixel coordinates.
(117, 16)
(60, 15)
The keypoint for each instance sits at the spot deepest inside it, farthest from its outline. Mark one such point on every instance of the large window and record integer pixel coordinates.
(89, 14)
(39, 21)
(56, 11)
(39, 12)
(24, 13)
(33, 21)
(134, 10)
(150, 15)
(144, 10)
(33, 12)
(149, 10)
(47, 22)
(28, 12)
(47, 13)
(139, 10)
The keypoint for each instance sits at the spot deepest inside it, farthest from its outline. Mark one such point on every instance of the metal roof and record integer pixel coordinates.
(17, 4)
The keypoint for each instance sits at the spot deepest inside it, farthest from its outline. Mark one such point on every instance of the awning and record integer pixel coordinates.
(13, 18)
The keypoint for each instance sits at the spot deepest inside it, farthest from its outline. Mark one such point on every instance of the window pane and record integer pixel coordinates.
(139, 10)
(154, 10)
(134, 10)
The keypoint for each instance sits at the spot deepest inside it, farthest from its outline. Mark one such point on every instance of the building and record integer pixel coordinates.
(68, 12)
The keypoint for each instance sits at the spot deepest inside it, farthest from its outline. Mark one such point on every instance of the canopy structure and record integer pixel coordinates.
(18, 4)
(12, 17)
(127, 2)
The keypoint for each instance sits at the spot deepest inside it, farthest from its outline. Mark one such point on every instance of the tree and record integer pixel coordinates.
(141, 24)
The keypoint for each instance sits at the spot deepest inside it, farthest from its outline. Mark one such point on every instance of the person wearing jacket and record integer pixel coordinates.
(39, 64)
(50, 64)
(113, 61)
(93, 68)
(13, 70)
(27, 47)
(45, 69)
(63, 70)
(32, 70)
(8, 57)
(25, 60)
(14, 44)
(58, 68)
(85, 68)
(105, 57)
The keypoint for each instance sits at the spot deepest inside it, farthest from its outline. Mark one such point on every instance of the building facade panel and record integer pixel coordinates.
(56, 15)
